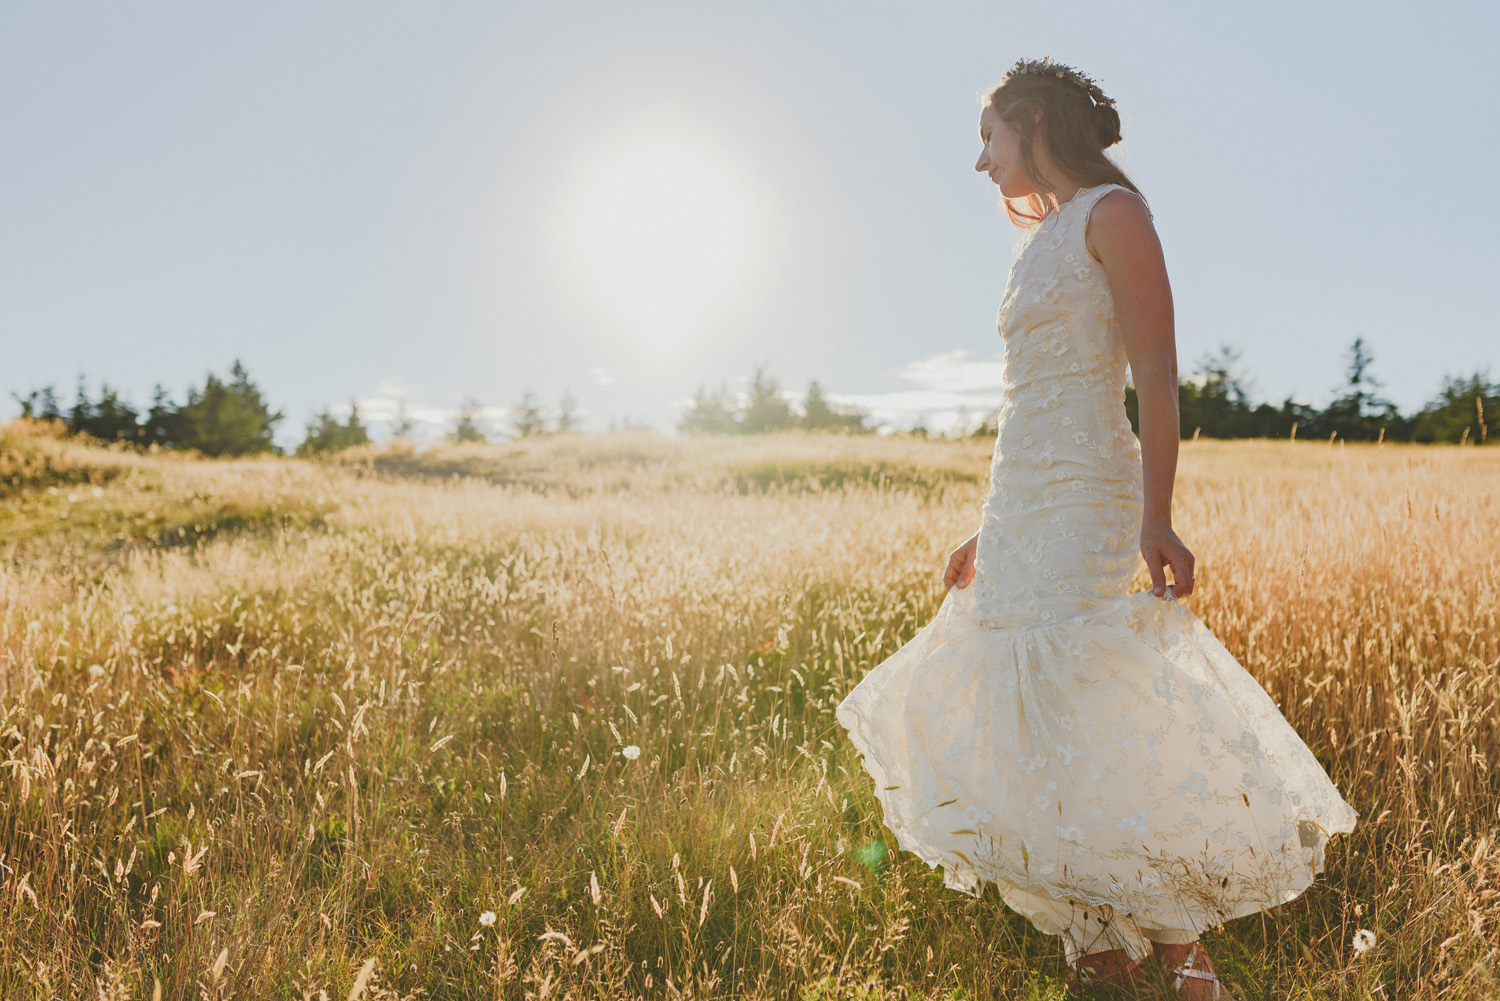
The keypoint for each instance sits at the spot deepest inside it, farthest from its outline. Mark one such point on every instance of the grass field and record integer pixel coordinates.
(276, 728)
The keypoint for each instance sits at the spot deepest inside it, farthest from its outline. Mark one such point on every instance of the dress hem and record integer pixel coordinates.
(1295, 866)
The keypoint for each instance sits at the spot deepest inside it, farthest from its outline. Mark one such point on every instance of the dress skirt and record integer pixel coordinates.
(1117, 774)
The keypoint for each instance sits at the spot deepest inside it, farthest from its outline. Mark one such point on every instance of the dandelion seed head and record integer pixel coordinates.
(1363, 940)
(487, 919)
(631, 753)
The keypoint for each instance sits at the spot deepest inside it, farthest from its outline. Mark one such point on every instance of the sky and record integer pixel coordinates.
(626, 202)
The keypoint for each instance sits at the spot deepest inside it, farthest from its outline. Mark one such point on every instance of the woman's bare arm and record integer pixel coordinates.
(1122, 238)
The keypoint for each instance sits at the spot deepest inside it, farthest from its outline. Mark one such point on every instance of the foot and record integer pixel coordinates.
(1191, 972)
(1113, 968)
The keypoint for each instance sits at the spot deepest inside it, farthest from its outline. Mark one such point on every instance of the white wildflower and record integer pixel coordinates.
(631, 753)
(487, 919)
(1364, 939)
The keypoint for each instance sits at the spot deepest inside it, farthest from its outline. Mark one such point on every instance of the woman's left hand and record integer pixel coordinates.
(1162, 548)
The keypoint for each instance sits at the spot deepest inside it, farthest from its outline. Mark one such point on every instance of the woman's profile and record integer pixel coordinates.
(1094, 751)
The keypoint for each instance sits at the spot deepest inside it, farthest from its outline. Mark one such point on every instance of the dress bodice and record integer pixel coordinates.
(1057, 321)
(1059, 532)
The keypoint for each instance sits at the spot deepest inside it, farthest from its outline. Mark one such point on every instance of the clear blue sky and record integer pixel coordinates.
(378, 200)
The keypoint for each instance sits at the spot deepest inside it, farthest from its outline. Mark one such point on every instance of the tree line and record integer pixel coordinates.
(231, 416)
(1217, 404)
(766, 408)
(1214, 402)
(223, 417)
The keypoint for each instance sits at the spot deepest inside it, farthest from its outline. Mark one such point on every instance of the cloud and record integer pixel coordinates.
(397, 388)
(383, 409)
(952, 394)
(601, 376)
(953, 372)
(379, 411)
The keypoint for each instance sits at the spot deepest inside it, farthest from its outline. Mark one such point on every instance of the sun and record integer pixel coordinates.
(660, 232)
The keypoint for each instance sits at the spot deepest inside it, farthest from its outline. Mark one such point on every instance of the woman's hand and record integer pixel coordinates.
(1162, 548)
(961, 564)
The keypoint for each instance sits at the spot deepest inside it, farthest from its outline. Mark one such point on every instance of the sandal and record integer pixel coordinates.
(1185, 969)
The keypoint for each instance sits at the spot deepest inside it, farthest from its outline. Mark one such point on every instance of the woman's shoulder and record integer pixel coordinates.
(1118, 218)
(1117, 203)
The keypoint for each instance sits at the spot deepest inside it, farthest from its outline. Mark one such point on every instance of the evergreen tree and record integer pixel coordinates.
(567, 413)
(1268, 420)
(163, 423)
(110, 419)
(468, 424)
(228, 418)
(989, 427)
(113, 419)
(326, 434)
(1214, 403)
(767, 409)
(1464, 404)
(40, 405)
(78, 417)
(403, 425)
(1359, 413)
(526, 416)
(711, 413)
(820, 415)
(817, 415)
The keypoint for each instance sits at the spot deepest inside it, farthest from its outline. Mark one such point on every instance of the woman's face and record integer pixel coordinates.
(1001, 156)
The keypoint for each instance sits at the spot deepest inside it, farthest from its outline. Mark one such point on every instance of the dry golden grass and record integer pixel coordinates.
(267, 721)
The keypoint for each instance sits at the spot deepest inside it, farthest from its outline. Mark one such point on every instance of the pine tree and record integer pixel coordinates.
(1469, 403)
(820, 415)
(40, 405)
(711, 413)
(78, 417)
(1215, 403)
(767, 409)
(526, 416)
(567, 413)
(1360, 412)
(228, 418)
(163, 423)
(326, 434)
(467, 425)
(403, 425)
(113, 419)
(817, 415)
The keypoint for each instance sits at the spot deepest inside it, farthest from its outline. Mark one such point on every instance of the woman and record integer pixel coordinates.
(1096, 753)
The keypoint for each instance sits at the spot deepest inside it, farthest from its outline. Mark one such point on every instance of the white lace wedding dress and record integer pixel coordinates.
(1095, 752)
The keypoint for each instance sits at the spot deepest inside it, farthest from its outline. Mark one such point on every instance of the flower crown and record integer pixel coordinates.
(1046, 68)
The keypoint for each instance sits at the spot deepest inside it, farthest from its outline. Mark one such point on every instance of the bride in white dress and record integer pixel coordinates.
(1094, 752)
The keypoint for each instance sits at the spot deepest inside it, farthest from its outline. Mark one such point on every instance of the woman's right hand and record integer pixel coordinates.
(961, 564)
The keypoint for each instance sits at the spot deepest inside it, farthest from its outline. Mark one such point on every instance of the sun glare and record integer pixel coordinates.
(662, 235)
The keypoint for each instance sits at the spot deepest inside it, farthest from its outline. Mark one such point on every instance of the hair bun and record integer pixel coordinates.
(1107, 120)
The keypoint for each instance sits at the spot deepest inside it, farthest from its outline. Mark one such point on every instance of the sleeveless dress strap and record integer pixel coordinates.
(1092, 196)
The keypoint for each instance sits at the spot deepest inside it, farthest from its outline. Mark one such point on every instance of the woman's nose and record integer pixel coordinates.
(982, 164)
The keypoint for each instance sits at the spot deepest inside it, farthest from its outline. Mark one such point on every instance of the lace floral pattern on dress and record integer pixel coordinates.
(1051, 731)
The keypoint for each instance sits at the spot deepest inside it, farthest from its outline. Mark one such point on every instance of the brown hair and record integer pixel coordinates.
(1078, 124)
